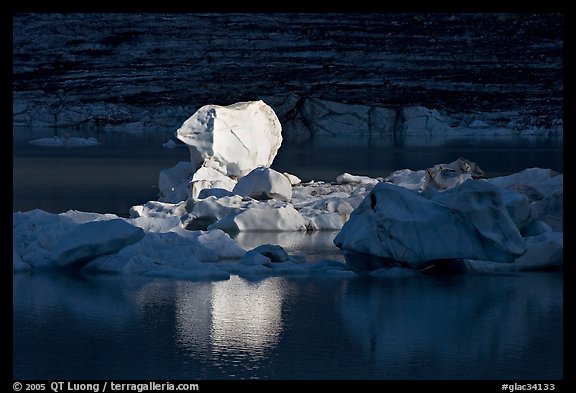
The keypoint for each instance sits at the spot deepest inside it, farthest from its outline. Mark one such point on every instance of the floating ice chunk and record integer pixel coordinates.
(35, 233)
(264, 183)
(483, 206)
(294, 180)
(273, 251)
(81, 217)
(400, 225)
(208, 211)
(518, 207)
(254, 258)
(544, 188)
(87, 241)
(156, 216)
(325, 221)
(409, 179)
(66, 141)
(169, 145)
(263, 217)
(156, 224)
(233, 139)
(355, 179)
(144, 265)
(544, 251)
(220, 243)
(186, 255)
(173, 183)
(208, 178)
(156, 209)
(534, 177)
(18, 264)
(535, 228)
(438, 177)
(551, 210)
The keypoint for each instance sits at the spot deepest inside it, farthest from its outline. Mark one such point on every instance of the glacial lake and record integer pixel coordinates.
(504, 326)
(477, 326)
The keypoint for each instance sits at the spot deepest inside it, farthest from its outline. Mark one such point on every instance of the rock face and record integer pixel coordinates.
(264, 183)
(419, 120)
(71, 68)
(333, 118)
(233, 139)
(400, 225)
(93, 239)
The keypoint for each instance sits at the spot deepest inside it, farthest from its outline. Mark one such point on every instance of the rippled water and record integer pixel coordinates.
(505, 326)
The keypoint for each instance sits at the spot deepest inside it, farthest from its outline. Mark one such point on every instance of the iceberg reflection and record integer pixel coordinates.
(425, 326)
(219, 321)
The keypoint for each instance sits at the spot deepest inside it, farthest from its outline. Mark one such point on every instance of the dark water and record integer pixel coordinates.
(452, 327)
(123, 171)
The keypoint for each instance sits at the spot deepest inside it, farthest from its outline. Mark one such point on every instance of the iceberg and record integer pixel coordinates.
(544, 251)
(439, 177)
(173, 183)
(447, 215)
(92, 239)
(263, 217)
(545, 190)
(264, 183)
(403, 227)
(166, 255)
(232, 139)
(208, 178)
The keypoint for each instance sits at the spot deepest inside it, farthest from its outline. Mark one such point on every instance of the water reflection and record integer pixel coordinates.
(231, 319)
(75, 296)
(470, 326)
(458, 326)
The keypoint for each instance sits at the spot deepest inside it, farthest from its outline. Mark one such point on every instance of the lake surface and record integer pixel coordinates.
(501, 326)
(123, 170)
(506, 326)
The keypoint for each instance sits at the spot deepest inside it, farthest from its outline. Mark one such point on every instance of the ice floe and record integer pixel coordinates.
(264, 183)
(447, 215)
(403, 227)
